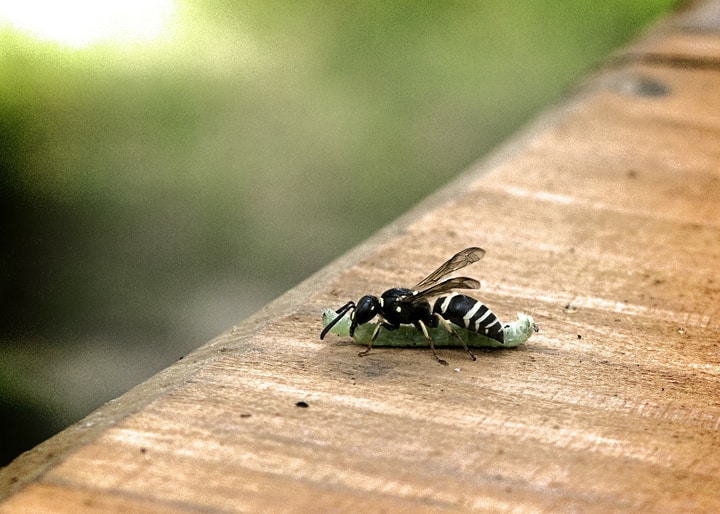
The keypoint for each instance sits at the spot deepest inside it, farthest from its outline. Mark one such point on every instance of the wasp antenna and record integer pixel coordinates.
(340, 313)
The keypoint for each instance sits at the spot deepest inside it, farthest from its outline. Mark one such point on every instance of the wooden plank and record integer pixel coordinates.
(601, 219)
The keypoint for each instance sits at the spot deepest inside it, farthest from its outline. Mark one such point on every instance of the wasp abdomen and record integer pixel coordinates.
(471, 314)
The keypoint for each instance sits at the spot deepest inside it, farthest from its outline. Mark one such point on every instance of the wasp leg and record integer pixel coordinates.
(423, 328)
(382, 324)
(446, 325)
(372, 339)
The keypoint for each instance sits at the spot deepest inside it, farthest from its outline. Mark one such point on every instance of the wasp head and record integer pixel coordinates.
(366, 309)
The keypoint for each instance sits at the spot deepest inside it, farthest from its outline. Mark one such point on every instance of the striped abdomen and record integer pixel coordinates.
(470, 314)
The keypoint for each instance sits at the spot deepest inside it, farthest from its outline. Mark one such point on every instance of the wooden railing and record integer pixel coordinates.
(602, 220)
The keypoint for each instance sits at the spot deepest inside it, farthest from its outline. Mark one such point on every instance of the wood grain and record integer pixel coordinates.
(601, 219)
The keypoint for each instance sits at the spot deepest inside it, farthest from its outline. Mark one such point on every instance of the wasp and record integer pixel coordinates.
(402, 306)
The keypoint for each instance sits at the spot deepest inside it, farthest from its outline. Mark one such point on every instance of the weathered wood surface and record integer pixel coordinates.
(602, 219)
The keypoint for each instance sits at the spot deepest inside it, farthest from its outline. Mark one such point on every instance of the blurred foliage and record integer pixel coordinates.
(153, 194)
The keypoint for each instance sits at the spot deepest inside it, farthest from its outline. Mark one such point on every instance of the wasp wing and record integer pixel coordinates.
(442, 287)
(457, 261)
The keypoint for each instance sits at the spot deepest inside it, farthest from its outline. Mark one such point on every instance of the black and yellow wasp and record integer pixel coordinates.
(403, 306)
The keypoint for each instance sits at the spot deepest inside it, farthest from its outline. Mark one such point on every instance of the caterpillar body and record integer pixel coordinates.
(515, 333)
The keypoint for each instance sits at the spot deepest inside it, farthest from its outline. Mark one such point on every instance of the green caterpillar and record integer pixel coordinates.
(407, 336)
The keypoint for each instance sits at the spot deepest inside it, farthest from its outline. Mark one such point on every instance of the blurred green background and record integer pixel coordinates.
(159, 184)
